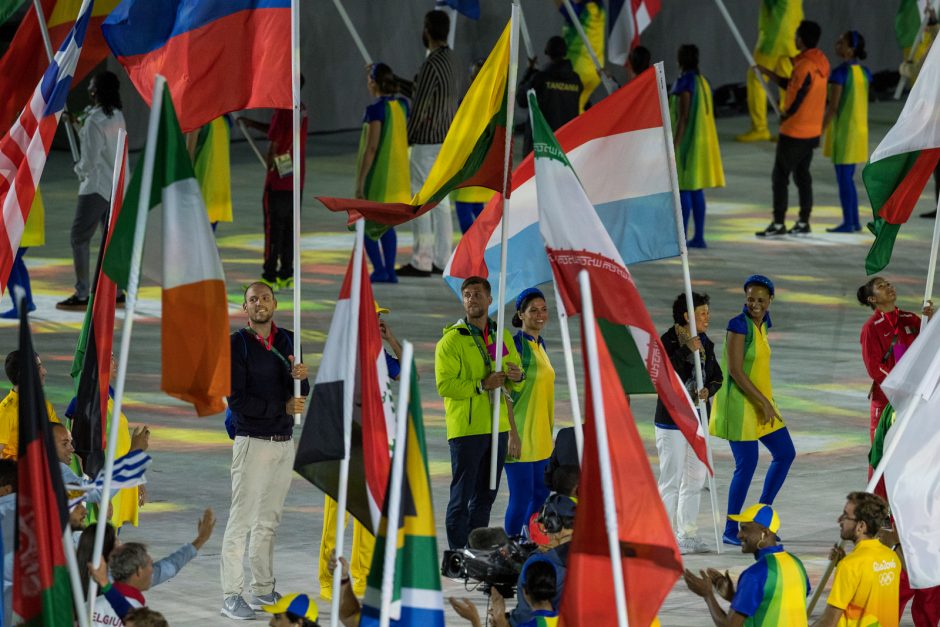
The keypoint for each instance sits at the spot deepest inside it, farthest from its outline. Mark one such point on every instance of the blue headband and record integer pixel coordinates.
(854, 34)
(759, 279)
(530, 292)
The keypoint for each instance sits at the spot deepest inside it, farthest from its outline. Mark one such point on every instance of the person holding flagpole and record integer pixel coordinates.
(593, 18)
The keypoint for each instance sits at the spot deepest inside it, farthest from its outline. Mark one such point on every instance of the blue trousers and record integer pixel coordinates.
(19, 276)
(693, 202)
(527, 492)
(745, 463)
(383, 258)
(467, 212)
(848, 195)
(470, 496)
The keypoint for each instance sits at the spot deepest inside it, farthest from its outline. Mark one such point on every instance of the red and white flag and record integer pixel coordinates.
(627, 19)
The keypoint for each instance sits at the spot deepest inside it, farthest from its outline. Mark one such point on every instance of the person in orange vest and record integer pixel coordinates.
(801, 126)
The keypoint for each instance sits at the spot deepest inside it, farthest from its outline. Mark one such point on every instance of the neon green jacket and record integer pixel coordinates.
(459, 367)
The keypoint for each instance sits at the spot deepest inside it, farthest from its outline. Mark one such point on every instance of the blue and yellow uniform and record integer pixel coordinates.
(847, 136)
(593, 18)
(773, 590)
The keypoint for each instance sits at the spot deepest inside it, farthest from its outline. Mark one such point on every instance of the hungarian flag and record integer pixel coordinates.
(903, 162)
(42, 594)
(627, 19)
(575, 240)
(354, 334)
(649, 556)
(91, 366)
(416, 585)
(473, 150)
(180, 253)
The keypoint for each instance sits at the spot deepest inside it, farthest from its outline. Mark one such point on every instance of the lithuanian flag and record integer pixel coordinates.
(472, 153)
(903, 162)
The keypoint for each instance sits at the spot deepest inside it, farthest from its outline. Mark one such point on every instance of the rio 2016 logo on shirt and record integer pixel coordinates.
(886, 568)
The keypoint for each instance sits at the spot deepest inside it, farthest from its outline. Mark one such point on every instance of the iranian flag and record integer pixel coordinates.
(353, 335)
(181, 255)
(903, 162)
(575, 240)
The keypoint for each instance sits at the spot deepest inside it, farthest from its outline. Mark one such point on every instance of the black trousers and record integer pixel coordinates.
(278, 235)
(793, 157)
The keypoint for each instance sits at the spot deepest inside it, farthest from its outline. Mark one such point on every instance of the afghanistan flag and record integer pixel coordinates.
(42, 594)
(353, 335)
(416, 586)
(903, 162)
(575, 240)
(473, 150)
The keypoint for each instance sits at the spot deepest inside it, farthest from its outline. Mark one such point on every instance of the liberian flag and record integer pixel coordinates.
(416, 586)
(25, 147)
(618, 147)
(322, 445)
(180, 253)
(575, 240)
(627, 19)
(218, 56)
(903, 162)
(473, 150)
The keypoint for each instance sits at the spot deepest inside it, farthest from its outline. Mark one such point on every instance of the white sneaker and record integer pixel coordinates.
(691, 545)
(236, 608)
(257, 602)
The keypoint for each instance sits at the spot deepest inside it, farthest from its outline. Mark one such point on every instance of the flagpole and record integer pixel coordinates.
(133, 283)
(526, 38)
(609, 84)
(603, 450)
(932, 264)
(50, 54)
(352, 31)
(902, 81)
(296, 171)
(254, 147)
(395, 487)
(504, 237)
(569, 372)
(689, 301)
(81, 610)
(349, 390)
(752, 64)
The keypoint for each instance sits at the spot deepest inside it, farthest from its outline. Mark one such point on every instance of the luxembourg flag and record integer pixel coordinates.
(618, 147)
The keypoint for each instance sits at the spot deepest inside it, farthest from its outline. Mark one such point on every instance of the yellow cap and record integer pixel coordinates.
(379, 309)
(763, 515)
(296, 604)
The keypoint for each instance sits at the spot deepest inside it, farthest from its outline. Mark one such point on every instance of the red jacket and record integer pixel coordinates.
(879, 345)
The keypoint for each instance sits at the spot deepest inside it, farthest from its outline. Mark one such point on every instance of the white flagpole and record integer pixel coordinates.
(50, 53)
(609, 84)
(352, 31)
(899, 90)
(526, 38)
(932, 264)
(394, 493)
(251, 142)
(504, 237)
(569, 372)
(295, 167)
(690, 305)
(603, 451)
(133, 283)
(82, 612)
(747, 53)
(349, 391)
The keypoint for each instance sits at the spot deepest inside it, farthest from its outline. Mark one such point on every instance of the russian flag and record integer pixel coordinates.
(618, 149)
(218, 56)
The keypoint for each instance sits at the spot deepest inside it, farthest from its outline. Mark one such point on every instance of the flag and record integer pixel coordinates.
(627, 19)
(618, 147)
(213, 168)
(321, 444)
(218, 56)
(911, 473)
(25, 147)
(416, 591)
(903, 162)
(469, 8)
(42, 594)
(91, 366)
(8, 8)
(181, 254)
(907, 21)
(129, 471)
(649, 556)
(25, 61)
(575, 240)
(472, 153)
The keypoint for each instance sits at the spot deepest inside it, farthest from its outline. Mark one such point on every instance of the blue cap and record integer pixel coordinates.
(759, 279)
(528, 293)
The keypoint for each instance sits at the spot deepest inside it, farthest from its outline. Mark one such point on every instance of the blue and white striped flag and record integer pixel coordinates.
(128, 472)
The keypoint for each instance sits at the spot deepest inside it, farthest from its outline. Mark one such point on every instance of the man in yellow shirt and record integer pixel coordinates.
(10, 407)
(866, 586)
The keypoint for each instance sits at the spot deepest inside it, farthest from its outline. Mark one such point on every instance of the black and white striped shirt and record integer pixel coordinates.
(434, 102)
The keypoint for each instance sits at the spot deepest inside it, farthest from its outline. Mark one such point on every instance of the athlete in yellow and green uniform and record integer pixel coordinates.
(593, 18)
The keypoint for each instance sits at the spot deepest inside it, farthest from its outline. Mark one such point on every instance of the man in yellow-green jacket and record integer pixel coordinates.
(464, 362)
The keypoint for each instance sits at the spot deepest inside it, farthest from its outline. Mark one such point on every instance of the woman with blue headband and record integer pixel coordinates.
(744, 411)
(533, 414)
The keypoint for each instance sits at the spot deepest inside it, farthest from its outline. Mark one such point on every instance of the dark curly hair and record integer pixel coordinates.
(108, 92)
(870, 509)
(679, 308)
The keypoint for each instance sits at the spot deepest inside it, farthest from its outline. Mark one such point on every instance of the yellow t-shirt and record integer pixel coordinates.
(866, 586)
(10, 424)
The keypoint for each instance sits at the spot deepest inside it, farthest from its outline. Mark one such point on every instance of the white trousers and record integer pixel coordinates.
(681, 479)
(433, 231)
(261, 476)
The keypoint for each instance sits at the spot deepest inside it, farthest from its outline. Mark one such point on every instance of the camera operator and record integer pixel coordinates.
(539, 586)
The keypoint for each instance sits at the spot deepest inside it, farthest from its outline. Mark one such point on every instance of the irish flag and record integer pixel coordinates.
(180, 253)
(473, 150)
(903, 162)
(575, 240)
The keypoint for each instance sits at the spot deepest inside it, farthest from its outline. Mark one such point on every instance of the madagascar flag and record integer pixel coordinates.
(472, 153)
(42, 594)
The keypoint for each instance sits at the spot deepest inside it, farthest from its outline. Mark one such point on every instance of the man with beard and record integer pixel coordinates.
(262, 406)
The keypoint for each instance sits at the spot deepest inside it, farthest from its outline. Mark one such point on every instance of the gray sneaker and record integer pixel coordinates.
(691, 545)
(235, 608)
(258, 601)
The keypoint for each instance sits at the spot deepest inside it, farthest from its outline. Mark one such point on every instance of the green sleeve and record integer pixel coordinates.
(447, 372)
